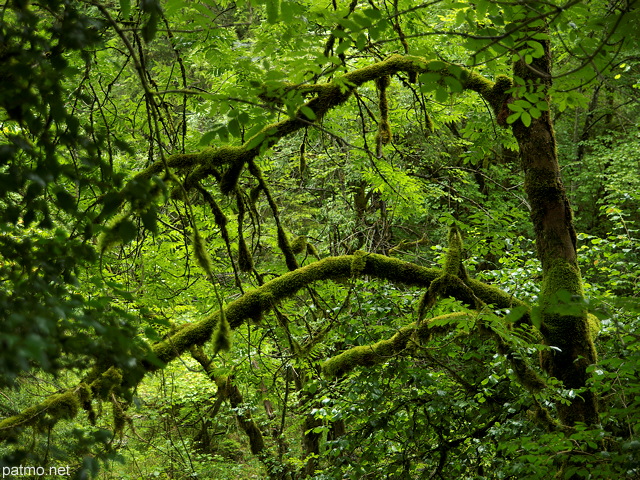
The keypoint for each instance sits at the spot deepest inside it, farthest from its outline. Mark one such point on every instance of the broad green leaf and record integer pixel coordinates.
(273, 10)
(234, 128)
(343, 46)
(436, 65)
(513, 117)
(208, 137)
(125, 8)
(442, 95)
(308, 112)
(454, 84)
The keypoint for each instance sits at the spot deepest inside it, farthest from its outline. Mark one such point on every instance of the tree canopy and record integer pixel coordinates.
(295, 239)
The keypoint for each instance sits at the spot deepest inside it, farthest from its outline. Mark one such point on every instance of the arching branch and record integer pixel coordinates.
(252, 305)
(232, 159)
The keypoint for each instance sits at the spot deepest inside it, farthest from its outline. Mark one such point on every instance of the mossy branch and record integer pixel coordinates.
(64, 405)
(326, 96)
(249, 306)
(370, 355)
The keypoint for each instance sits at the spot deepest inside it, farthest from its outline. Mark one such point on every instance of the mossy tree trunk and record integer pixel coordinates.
(563, 320)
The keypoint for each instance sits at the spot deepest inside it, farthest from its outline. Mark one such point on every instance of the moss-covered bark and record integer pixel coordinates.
(551, 214)
(370, 355)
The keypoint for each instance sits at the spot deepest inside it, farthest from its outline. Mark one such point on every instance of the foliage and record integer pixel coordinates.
(290, 179)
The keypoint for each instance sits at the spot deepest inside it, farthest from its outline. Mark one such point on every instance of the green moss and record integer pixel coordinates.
(202, 254)
(285, 247)
(312, 251)
(114, 231)
(428, 125)
(231, 176)
(245, 259)
(303, 158)
(492, 295)
(57, 407)
(358, 263)
(222, 337)
(299, 245)
(367, 355)
(370, 355)
(190, 334)
(119, 417)
(384, 128)
(254, 194)
(502, 85)
(86, 400)
(562, 276)
(218, 215)
(106, 383)
(453, 260)
(253, 304)
(594, 325)
(64, 405)
(384, 134)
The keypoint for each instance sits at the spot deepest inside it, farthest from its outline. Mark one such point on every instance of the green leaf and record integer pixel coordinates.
(430, 80)
(256, 140)
(308, 112)
(273, 11)
(481, 8)
(126, 230)
(207, 138)
(436, 65)
(513, 117)
(149, 218)
(454, 84)
(234, 128)
(526, 119)
(542, 106)
(372, 13)
(343, 46)
(442, 95)
(65, 200)
(125, 7)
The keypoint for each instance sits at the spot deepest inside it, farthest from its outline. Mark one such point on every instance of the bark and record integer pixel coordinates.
(563, 323)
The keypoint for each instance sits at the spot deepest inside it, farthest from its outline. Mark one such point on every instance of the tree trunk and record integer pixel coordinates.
(564, 320)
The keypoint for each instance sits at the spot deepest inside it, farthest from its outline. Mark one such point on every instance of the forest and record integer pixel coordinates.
(320, 239)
